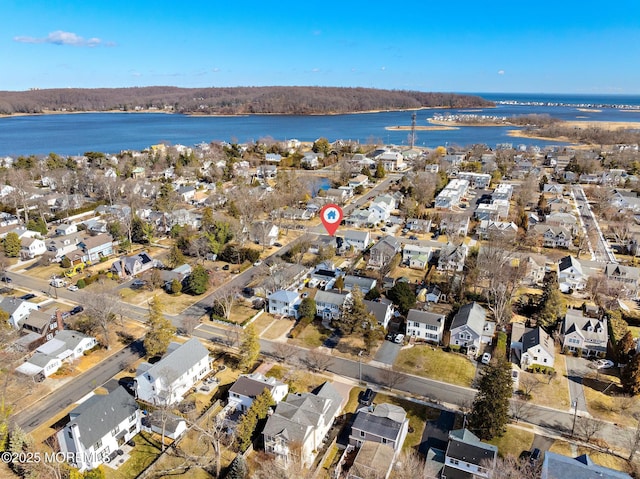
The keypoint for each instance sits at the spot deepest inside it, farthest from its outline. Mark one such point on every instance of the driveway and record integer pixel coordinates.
(388, 352)
(541, 442)
(577, 368)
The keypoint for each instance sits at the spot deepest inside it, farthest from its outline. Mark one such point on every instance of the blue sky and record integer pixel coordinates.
(563, 46)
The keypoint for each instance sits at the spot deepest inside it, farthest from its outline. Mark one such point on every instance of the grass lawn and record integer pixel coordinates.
(604, 397)
(262, 322)
(298, 380)
(312, 336)
(412, 274)
(142, 455)
(241, 312)
(602, 459)
(555, 393)
(513, 442)
(277, 329)
(435, 363)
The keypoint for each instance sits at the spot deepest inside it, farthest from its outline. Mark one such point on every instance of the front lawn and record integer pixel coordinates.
(142, 455)
(277, 329)
(313, 336)
(602, 459)
(552, 391)
(432, 362)
(513, 442)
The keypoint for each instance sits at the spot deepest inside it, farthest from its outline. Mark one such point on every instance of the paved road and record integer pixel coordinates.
(576, 370)
(39, 412)
(602, 251)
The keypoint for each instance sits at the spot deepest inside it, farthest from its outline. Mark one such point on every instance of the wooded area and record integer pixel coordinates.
(229, 101)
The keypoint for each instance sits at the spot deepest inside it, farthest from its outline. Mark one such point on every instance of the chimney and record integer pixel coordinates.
(59, 320)
(123, 273)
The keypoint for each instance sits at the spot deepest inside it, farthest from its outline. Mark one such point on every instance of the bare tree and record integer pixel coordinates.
(528, 384)
(589, 427)
(520, 408)
(633, 437)
(102, 309)
(224, 300)
(391, 379)
(510, 467)
(318, 361)
(284, 352)
(409, 465)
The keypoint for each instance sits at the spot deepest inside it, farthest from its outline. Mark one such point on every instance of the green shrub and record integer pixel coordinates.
(81, 283)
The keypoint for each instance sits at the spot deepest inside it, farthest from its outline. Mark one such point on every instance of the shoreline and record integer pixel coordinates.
(421, 128)
(222, 115)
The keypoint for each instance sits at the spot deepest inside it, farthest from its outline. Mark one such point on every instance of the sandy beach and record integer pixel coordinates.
(461, 123)
(422, 128)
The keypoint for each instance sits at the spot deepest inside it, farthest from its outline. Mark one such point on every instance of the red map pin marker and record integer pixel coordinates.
(331, 216)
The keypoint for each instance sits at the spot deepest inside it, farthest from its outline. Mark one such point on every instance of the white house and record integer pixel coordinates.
(65, 229)
(360, 180)
(98, 427)
(31, 247)
(470, 328)
(532, 346)
(17, 309)
(249, 386)
(359, 240)
(411, 250)
(452, 194)
(168, 380)
(392, 160)
(468, 456)
(570, 275)
(452, 257)
(329, 304)
(382, 310)
(425, 326)
(284, 303)
(476, 180)
(301, 421)
(587, 335)
(68, 345)
(40, 365)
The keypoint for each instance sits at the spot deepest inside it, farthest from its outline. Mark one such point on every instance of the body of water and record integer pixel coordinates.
(74, 134)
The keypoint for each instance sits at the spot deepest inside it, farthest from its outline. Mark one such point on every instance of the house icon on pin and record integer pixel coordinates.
(331, 215)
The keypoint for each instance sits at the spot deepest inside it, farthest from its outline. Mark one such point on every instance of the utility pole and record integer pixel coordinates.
(412, 138)
(575, 415)
(360, 366)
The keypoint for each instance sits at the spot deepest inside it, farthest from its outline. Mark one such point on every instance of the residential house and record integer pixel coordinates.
(392, 160)
(43, 325)
(383, 252)
(359, 180)
(386, 424)
(179, 273)
(532, 346)
(358, 240)
(625, 200)
(186, 193)
(17, 309)
(284, 303)
(133, 265)
(329, 304)
(411, 250)
(60, 246)
(554, 236)
(65, 229)
(497, 229)
(382, 310)
(97, 247)
(554, 188)
(476, 180)
(430, 294)
(249, 386)
(587, 336)
(299, 424)
(626, 276)
(455, 225)
(68, 345)
(365, 284)
(264, 233)
(40, 366)
(31, 247)
(98, 427)
(171, 426)
(452, 257)
(535, 267)
(557, 466)
(423, 325)
(563, 220)
(310, 160)
(468, 457)
(273, 157)
(502, 191)
(452, 194)
(373, 459)
(416, 225)
(336, 195)
(168, 380)
(470, 328)
(419, 262)
(570, 275)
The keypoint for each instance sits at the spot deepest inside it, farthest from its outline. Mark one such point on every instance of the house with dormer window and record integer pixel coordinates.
(468, 457)
(98, 427)
(587, 336)
(626, 276)
(470, 328)
(532, 346)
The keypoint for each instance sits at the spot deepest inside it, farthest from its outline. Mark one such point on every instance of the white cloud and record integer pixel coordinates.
(383, 68)
(63, 38)
(500, 72)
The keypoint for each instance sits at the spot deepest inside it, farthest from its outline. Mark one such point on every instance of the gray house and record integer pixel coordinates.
(387, 424)
(470, 328)
(557, 466)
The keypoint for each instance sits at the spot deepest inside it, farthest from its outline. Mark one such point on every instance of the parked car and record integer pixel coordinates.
(535, 456)
(602, 364)
(486, 358)
(6, 279)
(27, 297)
(413, 237)
(277, 245)
(225, 267)
(257, 263)
(73, 287)
(138, 283)
(366, 397)
(78, 309)
(399, 339)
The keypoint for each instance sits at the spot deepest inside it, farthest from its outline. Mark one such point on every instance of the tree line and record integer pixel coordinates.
(229, 101)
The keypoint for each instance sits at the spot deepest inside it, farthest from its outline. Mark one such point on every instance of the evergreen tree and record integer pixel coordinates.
(198, 280)
(249, 349)
(354, 312)
(161, 331)
(249, 422)
(339, 283)
(307, 309)
(630, 376)
(403, 296)
(625, 347)
(176, 257)
(553, 306)
(380, 173)
(176, 286)
(12, 245)
(238, 468)
(490, 411)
